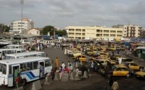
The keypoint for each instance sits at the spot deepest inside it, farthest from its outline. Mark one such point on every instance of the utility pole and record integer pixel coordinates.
(22, 3)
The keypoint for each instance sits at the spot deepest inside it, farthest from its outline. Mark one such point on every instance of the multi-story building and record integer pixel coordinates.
(130, 31)
(93, 32)
(18, 26)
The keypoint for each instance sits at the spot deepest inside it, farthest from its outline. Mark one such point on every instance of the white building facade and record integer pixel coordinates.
(93, 32)
(130, 31)
(18, 26)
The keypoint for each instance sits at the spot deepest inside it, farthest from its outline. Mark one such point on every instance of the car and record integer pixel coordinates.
(81, 58)
(120, 48)
(102, 67)
(121, 70)
(76, 53)
(111, 49)
(134, 66)
(115, 57)
(127, 60)
(140, 74)
(89, 52)
(124, 59)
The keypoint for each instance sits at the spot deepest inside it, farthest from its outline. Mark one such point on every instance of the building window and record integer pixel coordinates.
(83, 37)
(97, 34)
(106, 34)
(78, 29)
(98, 30)
(119, 35)
(83, 30)
(120, 31)
(106, 30)
(78, 33)
(112, 35)
(113, 31)
(71, 29)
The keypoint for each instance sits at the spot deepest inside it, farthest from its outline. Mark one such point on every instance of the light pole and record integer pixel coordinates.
(22, 3)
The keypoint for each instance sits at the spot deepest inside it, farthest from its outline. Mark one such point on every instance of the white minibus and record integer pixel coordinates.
(29, 69)
(11, 46)
(10, 51)
(25, 55)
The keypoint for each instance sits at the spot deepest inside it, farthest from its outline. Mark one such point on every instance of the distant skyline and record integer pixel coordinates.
(62, 13)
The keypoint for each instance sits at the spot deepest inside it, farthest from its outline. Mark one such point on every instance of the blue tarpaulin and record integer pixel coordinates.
(45, 37)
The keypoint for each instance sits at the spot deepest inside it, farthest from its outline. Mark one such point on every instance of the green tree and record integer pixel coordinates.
(61, 32)
(4, 28)
(47, 29)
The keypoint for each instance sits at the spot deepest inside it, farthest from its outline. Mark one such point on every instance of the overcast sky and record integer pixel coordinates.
(62, 13)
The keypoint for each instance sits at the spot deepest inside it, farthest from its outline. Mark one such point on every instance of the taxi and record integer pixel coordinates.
(115, 57)
(121, 70)
(140, 74)
(76, 53)
(89, 52)
(82, 58)
(111, 49)
(120, 48)
(134, 66)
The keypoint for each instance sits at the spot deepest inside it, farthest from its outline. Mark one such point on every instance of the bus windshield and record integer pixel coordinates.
(3, 68)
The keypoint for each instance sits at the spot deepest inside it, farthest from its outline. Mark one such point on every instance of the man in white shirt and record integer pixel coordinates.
(63, 65)
(119, 60)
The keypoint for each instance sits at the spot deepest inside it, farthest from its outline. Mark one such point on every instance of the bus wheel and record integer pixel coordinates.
(24, 82)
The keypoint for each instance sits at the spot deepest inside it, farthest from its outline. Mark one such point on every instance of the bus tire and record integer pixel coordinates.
(24, 82)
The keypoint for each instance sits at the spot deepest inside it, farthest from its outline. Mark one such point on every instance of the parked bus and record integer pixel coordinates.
(29, 69)
(140, 52)
(25, 55)
(3, 52)
(11, 46)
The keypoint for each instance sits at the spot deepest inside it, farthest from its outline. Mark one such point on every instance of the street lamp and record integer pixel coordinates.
(22, 3)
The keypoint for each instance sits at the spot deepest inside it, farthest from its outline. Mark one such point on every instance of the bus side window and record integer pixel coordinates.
(35, 65)
(23, 67)
(29, 66)
(18, 51)
(10, 69)
(47, 63)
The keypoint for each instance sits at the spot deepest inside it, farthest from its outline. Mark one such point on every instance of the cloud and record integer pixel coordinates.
(63, 13)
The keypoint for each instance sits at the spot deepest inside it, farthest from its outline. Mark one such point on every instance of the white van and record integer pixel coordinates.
(25, 55)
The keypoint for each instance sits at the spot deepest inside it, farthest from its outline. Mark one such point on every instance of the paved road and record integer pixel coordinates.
(58, 52)
(96, 82)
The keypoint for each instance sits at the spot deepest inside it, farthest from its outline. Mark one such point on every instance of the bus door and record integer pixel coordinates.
(16, 72)
(41, 69)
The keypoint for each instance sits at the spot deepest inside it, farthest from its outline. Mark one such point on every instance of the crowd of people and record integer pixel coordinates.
(76, 69)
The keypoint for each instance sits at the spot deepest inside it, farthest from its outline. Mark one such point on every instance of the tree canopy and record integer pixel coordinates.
(61, 32)
(52, 29)
(47, 29)
(4, 28)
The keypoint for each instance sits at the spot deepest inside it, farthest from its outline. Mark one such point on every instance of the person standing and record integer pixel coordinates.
(115, 85)
(119, 60)
(63, 65)
(53, 70)
(41, 70)
(110, 82)
(17, 80)
(56, 62)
